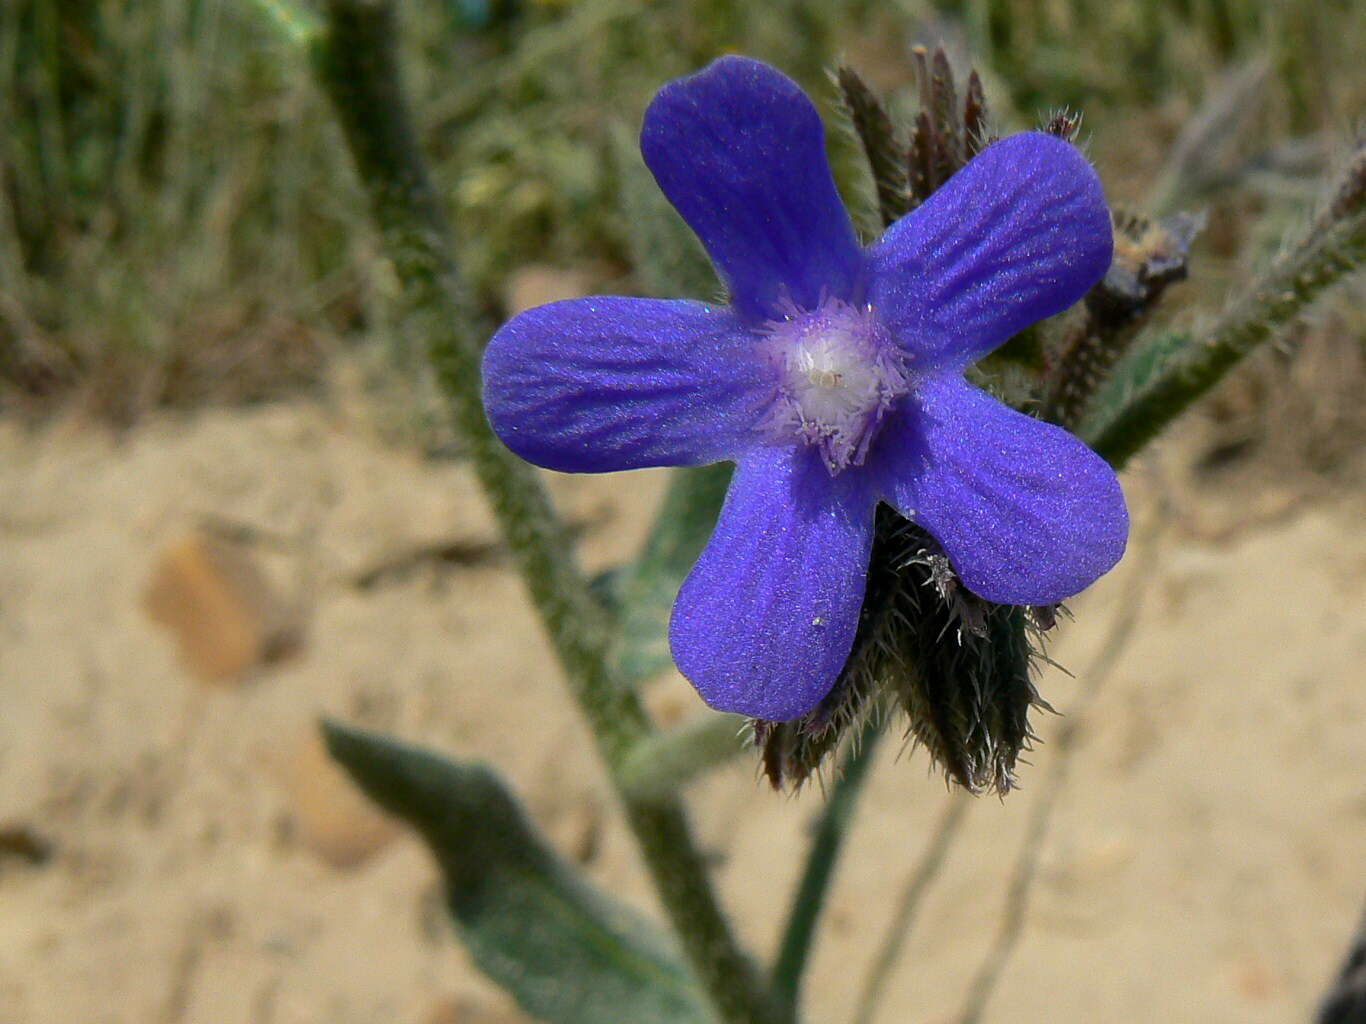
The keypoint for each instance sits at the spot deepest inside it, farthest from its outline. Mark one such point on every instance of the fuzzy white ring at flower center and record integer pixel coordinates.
(838, 374)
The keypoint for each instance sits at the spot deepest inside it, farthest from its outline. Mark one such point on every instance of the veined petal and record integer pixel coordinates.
(764, 622)
(739, 150)
(1026, 513)
(607, 383)
(1017, 235)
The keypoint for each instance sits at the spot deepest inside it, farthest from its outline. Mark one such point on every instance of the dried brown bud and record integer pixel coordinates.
(1065, 124)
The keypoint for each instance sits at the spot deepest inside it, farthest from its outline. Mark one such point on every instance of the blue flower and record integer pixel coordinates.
(834, 380)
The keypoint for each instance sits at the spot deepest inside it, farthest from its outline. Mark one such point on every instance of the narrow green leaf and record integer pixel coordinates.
(669, 261)
(568, 953)
(666, 761)
(680, 532)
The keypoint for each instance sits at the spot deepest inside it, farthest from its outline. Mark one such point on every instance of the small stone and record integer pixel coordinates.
(222, 610)
(1089, 862)
(466, 1010)
(577, 828)
(571, 815)
(24, 843)
(333, 818)
(1256, 981)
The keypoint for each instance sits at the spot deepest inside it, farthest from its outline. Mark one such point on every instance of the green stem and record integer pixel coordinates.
(666, 761)
(1154, 385)
(357, 64)
(809, 900)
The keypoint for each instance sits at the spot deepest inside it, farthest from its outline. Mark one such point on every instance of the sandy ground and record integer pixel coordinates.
(1207, 860)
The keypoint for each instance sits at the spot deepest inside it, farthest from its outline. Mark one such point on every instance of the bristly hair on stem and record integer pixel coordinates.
(1149, 256)
(356, 64)
(1153, 385)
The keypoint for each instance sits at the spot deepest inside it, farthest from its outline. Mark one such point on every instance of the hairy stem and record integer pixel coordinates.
(356, 63)
(1157, 383)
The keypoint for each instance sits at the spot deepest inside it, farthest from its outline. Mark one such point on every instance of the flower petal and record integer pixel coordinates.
(1026, 513)
(607, 383)
(739, 149)
(764, 622)
(1017, 235)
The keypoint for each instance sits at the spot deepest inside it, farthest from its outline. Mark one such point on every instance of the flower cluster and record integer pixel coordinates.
(833, 379)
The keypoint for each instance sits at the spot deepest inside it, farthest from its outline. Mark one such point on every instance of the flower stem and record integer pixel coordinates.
(666, 761)
(356, 63)
(1157, 383)
(820, 862)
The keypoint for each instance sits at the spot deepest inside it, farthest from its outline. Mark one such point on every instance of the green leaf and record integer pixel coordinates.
(649, 585)
(566, 952)
(666, 761)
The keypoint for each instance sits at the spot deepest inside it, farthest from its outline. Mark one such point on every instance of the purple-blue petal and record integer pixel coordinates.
(739, 150)
(764, 622)
(1017, 235)
(1026, 513)
(606, 383)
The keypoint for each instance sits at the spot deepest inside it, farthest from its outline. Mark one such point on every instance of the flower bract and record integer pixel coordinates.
(833, 378)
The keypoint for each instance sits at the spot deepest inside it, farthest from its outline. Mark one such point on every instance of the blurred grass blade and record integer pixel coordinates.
(534, 924)
(297, 23)
(1206, 153)
(666, 255)
(1346, 1002)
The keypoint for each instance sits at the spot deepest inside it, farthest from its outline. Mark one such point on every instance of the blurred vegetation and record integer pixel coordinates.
(179, 223)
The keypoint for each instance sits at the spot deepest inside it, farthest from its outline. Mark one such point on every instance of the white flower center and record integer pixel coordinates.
(837, 376)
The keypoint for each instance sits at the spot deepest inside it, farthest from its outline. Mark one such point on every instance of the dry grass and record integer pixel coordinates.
(180, 225)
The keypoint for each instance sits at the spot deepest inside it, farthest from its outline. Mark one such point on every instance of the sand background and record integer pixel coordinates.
(1206, 861)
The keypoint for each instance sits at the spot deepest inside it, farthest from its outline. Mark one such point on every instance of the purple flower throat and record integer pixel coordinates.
(837, 376)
